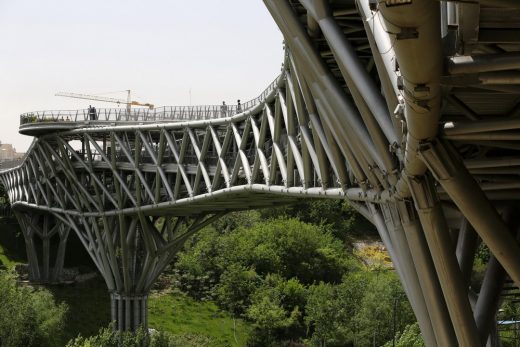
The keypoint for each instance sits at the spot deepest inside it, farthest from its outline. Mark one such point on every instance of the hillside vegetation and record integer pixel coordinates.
(277, 277)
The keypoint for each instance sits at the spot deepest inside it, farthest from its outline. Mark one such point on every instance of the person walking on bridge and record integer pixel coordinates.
(92, 113)
(223, 109)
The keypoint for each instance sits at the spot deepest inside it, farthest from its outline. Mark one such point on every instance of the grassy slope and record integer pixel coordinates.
(89, 310)
(4, 259)
(179, 314)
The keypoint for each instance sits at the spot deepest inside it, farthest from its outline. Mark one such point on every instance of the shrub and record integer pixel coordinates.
(338, 215)
(197, 270)
(28, 317)
(107, 337)
(410, 337)
(359, 311)
(236, 286)
(287, 247)
(276, 310)
(330, 312)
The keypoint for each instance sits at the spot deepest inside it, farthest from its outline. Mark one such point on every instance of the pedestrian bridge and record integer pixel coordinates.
(407, 108)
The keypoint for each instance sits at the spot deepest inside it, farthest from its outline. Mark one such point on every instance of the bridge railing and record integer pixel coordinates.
(164, 113)
(10, 164)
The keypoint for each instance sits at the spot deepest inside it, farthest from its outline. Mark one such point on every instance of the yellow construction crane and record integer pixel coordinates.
(127, 102)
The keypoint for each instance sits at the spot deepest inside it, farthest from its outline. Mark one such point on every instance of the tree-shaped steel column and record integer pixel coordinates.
(130, 252)
(39, 230)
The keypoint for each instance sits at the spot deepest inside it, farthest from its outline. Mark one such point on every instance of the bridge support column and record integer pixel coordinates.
(445, 261)
(391, 231)
(428, 279)
(45, 258)
(465, 192)
(128, 312)
(130, 252)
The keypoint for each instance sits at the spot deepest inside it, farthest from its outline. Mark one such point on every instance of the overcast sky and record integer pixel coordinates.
(220, 49)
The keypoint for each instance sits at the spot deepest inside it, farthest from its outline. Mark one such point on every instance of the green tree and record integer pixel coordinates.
(234, 220)
(197, 269)
(287, 247)
(293, 280)
(357, 312)
(236, 286)
(342, 219)
(3, 195)
(28, 317)
(277, 310)
(290, 248)
(383, 297)
(107, 337)
(410, 337)
(331, 309)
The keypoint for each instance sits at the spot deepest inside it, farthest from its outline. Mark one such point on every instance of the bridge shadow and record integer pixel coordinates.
(12, 246)
(89, 307)
(88, 302)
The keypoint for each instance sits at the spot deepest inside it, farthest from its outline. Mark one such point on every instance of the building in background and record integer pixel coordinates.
(8, 153)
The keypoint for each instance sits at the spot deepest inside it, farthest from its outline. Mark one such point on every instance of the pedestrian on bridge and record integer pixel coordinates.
(223, 109)
(92, 113)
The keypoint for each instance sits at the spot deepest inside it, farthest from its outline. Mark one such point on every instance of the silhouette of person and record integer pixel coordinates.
(223, 109)
(92, 113)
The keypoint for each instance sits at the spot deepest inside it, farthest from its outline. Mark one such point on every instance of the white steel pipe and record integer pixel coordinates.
(408, 273)
(439, 242)
(472, 202)
(428, 279)
(414, 30)
(383, 231)
(350, 64)
(466, 127)
(483, 63)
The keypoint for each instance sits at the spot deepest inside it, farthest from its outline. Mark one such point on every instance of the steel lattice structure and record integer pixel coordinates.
(408, 108)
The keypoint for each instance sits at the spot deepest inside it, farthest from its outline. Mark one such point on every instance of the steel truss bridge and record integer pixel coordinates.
(410, 109)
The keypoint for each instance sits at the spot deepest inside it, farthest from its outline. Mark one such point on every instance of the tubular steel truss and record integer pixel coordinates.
(38, 230)
(406, 108)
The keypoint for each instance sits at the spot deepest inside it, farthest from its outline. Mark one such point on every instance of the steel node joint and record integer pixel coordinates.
(437, 159)
(423, 192)
(407, 212)
(391, 215)
(407, 33)
(420, 99)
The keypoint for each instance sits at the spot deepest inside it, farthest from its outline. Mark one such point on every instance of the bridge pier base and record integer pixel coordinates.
(130, 252)
(128, 312)
(45, 258)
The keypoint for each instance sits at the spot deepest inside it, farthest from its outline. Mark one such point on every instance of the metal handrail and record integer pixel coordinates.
(164, 113)
(10, 164)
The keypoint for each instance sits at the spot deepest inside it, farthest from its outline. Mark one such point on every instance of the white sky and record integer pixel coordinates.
(160, 49)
